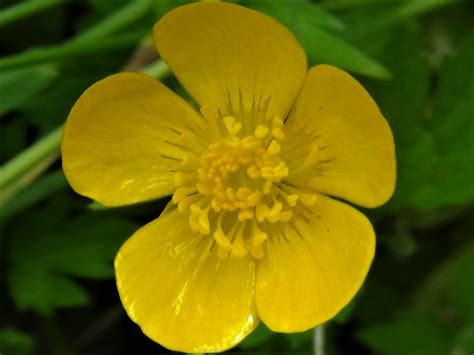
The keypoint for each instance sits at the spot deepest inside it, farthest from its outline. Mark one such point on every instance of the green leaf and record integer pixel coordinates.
(48, 249)
(344, 4)
(324, 47)
(449, 289)
(460, 286)
(409, 333)
(315, 14)
(375, 16)
(97, 38)
(453, 128)
(106, 7)
(43, 291)
(464, 341)
(402, 101)
(25, 9)
(13, 341)
(121, 18)
(321, 45)
(41, 189)
(17, 86)
(435, 155)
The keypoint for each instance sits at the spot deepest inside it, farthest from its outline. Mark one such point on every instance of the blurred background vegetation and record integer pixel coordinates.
(415, 57)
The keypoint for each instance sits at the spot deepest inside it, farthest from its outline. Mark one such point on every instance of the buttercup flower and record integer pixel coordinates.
(253, 231)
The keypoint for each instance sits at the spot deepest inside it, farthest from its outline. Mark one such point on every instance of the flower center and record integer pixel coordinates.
(235, 190)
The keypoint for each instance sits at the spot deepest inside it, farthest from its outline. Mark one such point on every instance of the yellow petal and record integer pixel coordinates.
(181, 294)
(121, 142)
(311, 273)
(233, 58)
(355, 159)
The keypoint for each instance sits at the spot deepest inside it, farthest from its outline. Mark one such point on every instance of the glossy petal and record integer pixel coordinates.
(181, 295)
(315, 267)
(232, 58)
(356, 159)
(121, 140)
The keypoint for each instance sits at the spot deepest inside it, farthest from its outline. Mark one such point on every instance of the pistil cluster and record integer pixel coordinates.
(235, 190)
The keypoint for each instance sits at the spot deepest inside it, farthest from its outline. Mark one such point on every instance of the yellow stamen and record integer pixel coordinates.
(261, 131)
(241, 177)
(274, 148)
(258, 237)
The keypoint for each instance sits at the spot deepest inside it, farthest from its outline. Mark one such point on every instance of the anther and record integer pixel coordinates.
(274, 148)
(232, 127)
(261, 131)
(261, 212)
(245, 214)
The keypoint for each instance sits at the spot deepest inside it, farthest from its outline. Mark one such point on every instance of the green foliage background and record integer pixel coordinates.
(415, 57)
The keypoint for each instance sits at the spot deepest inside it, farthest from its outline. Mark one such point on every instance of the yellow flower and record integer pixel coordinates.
(251, 232)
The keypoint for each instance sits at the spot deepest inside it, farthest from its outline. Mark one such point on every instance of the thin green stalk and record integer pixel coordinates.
(67, 50)
(24, 9)
(157, 69)
(91, 40)
(31, 156)
(318, 340)
(118, 20)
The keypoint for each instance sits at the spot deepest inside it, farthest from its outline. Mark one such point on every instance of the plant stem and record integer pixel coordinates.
(31, 156)
(25, 9)
(118, 20)
(318, 340)
(157, 69)
(94, 39)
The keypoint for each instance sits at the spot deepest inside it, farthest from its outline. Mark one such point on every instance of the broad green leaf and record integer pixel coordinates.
(402, 101)
(433, 142)
(43, 290)
(409, 333)
(49, 248)
(41, 189)
(314, 14)
(449, 288)
(374, 16)
(13, 341)
(464, 341)
(453, 128)
(99, 37)
(460, 287)
(321, 45)
(345, 4)
(17, 86)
